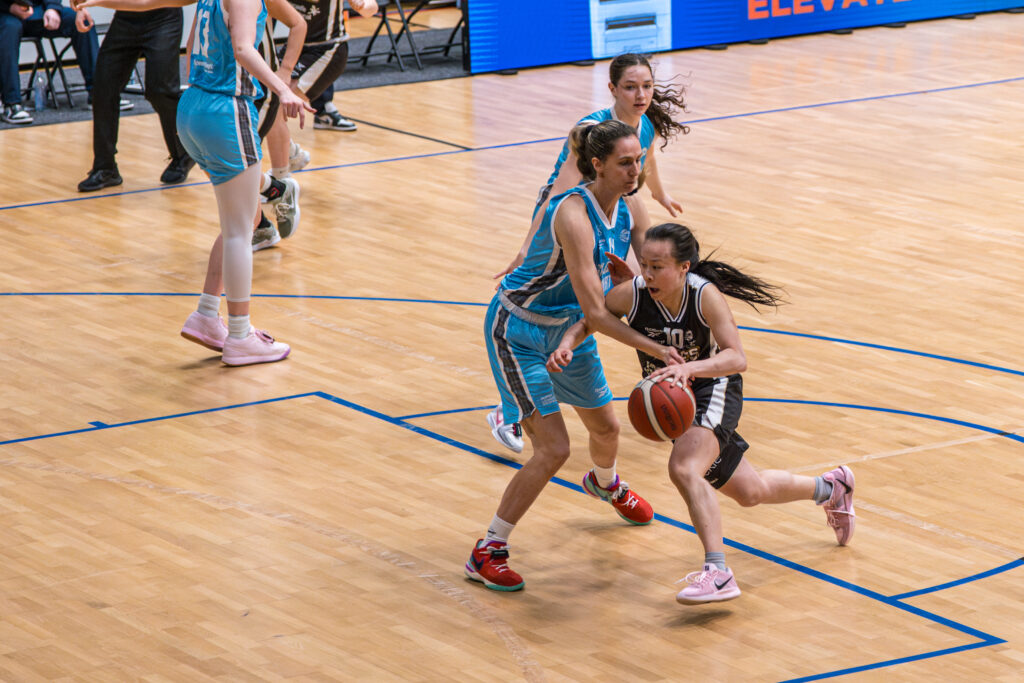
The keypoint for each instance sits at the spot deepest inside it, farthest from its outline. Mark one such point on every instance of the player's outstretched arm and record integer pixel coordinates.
(129, 5)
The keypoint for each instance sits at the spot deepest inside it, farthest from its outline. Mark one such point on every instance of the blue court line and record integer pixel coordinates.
(894, 662)
(896, 349)
(984, 638)
(330, 297)
(98, 426)
(710, 119)
(938, 418)
(991, 572)
(259, 296)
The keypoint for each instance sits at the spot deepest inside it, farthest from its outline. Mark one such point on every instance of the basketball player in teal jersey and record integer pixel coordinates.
(566, 273)
(640, 104)
(680, 301)
(217, 126)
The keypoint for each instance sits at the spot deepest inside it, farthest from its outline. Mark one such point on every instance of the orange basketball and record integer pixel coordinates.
(661, 411)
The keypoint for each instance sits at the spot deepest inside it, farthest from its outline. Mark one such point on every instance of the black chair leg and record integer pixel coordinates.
(394, 45)
(373, 38)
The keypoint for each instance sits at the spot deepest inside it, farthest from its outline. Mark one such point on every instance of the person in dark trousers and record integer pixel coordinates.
(39, 19)
(155, 35)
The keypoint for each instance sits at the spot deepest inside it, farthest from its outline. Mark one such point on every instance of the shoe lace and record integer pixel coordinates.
(499, 557)
(282, 209)
(701, 578)
(623, 497)
(832, 516)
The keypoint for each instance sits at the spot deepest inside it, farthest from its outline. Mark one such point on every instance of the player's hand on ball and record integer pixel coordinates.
(678, 373)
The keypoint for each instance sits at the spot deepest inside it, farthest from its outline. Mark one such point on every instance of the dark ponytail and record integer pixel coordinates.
(596, 140)
(729, 280)
(665, 100)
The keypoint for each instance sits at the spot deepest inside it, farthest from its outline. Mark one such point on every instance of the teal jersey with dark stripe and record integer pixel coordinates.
(213, 65)
(541, 284)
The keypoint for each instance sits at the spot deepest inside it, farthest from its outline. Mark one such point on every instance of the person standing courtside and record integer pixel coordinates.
(155, 35)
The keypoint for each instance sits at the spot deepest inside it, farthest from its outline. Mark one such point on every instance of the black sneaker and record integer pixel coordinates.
(15, 113)
(332, 120)
(98, 179)
(177, 171)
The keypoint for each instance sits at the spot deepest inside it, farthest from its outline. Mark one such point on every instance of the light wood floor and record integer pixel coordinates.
(165, 518)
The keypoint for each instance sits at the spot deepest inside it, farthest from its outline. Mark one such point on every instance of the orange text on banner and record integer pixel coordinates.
(764, 9)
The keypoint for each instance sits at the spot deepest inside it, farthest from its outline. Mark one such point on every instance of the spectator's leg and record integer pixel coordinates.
(86, 45)
(10, 47)
(322, 99)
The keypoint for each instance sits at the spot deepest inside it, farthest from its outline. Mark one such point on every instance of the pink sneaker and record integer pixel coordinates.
(839, 506)
(258, 347)
(709, 585)
(202, 329)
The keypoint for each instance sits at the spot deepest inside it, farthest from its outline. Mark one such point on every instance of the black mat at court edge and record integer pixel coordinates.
(377, 71)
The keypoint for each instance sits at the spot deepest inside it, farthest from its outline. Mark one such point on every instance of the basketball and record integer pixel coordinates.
(661, 411)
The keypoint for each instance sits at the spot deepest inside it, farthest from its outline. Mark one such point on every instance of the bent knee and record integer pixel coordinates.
(551, 458)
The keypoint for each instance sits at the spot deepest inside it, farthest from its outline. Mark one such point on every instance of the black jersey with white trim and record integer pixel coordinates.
(325, 20)
(688, 332)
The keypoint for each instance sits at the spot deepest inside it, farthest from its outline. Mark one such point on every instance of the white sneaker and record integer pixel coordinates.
(297, 157)
(509, 436)
(286, 208)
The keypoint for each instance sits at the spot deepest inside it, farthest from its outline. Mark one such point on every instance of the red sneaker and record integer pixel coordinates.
(488, 564)
(627, 503)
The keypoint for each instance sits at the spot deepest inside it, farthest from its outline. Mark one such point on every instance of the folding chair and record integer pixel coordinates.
(451, 42)
(49, 71)
(385, 24)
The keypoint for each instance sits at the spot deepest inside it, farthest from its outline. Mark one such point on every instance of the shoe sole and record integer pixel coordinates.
(202, 342)
(717, 597)
(265, 244)
(473, 576)
(340, 130)
(254, 360)
(101, 187)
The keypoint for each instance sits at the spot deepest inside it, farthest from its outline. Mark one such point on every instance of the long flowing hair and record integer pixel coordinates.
(730, 280)
(666, 100)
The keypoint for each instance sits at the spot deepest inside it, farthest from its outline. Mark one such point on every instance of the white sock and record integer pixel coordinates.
(605, 476)
(280, 173)
(209, 305)
(265, 183)
(499, 530)
(238, 326)
(329, 107)
(293, 148)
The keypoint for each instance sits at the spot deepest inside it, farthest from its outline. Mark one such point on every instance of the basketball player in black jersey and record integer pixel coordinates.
(680, 301)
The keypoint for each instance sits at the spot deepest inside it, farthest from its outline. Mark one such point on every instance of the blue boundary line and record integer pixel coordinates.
(985, 639)
(982, 575)
(99, 426)
(329, 297)
(948, 359)
(710, 119)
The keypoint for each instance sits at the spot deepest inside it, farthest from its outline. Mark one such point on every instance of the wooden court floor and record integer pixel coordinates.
(165, 518)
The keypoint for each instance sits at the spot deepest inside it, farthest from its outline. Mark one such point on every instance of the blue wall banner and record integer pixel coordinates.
(513, 35)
